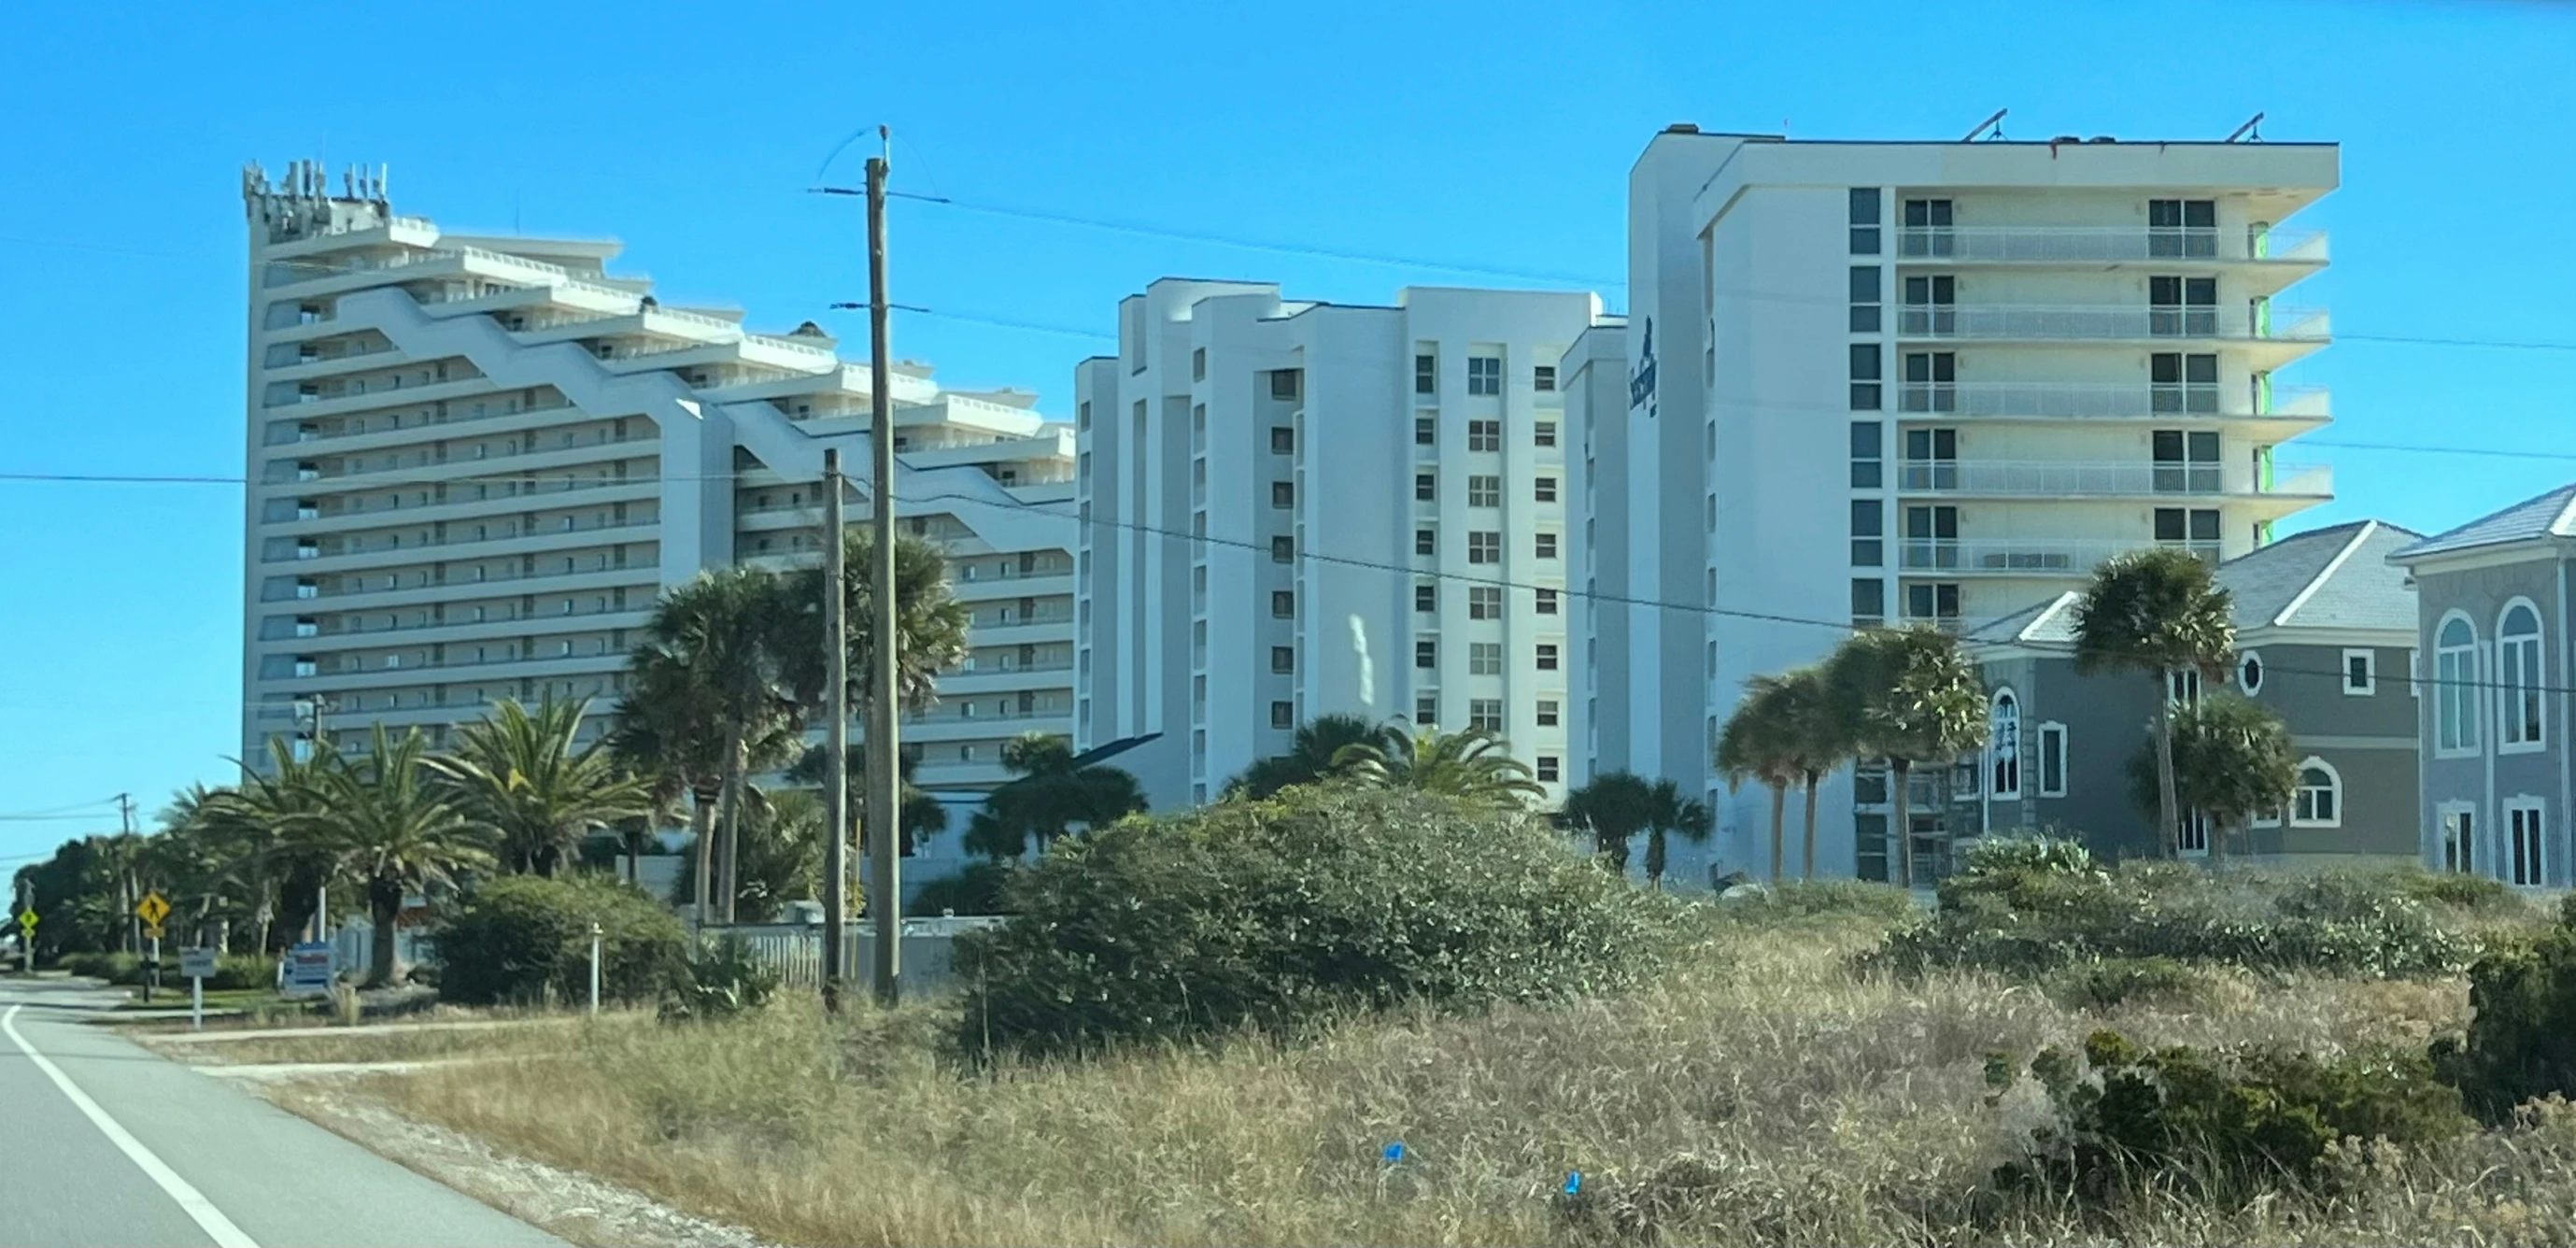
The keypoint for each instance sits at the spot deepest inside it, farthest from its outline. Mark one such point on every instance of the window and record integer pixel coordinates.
(1543, 489)
(1484, 658)
(1484, 602)
(2518, 678)
(1485, 714)
(2183, 384)
(1484, 491)
(1484, 435)
(1546, 601)
(2195, 526)
(1546, 656)
(1868, 523)
(2003, 747)
(2249, 672)
(305, 666)
(1543, 433)
(1547, 713)
(2455, 691)
(1927, 228)
(1426, 374)
(2182, 686)
(1283, 494)
(1931, 307)
(1284, 383)
(1283, 604)
(1426, 708)
(2052, 760)
(1869, 601)
(1283, 439)
(1865, 360)
(1484, 374)
(2191, 836)
(1543, 545)
(1082, 415)
(1484, 548)
(1426, 542)
(2186, 461)
(1865, 298)
(2182, 307)
(1864, 220)
(2318, 801)
(1548, 769)
(1426, 598)
(1426, 487)
(1866, 454)
(2525, 850)
(307, 626)
(1426, 431)
(2459, 839)
(1283, 714)
(1936, 603)
(1426, 652)
(2182, 227)
(1283, 658)
(2360, 672)
(1198, 364)
(1543, 378)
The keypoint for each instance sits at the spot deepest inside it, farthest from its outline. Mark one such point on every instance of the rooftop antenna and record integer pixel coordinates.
(2247, 131)
(1987, 124)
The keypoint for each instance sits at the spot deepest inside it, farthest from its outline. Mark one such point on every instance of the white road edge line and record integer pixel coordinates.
(194, 1202)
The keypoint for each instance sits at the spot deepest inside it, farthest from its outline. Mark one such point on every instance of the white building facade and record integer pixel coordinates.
(1294, 509)
(1888, 382)
(476, 461)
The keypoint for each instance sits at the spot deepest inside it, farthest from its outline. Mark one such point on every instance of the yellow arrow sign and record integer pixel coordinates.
(27, 921)
(152, 909)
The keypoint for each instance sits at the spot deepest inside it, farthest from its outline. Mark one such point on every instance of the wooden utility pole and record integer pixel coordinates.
(885, 900)
(836, 734)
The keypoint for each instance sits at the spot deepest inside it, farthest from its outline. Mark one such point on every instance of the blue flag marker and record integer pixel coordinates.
(1573, 1182)
(1394, 1153)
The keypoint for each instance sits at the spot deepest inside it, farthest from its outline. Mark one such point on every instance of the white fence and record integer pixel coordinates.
(796, 949)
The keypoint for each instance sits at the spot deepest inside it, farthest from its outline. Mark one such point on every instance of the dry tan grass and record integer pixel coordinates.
(1826, 1108)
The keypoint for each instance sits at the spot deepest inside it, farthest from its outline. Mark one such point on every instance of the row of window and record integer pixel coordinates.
(1482, 490)
(2175, 227)
(2526, 847)
(1484, 602)
(1484, 658)
(2519, 675)
(1483, 545)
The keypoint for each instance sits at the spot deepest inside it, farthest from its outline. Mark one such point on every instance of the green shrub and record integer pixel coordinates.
(1790, 899)
(975, 890)
(2219, 1123)
(2476, 894)
(2521, 1043)
(723, 980)
(525, 939)
(1270, 912)
(2113, 982)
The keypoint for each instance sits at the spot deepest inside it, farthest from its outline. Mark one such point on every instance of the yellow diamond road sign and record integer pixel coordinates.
(27, 920)
(152, 909)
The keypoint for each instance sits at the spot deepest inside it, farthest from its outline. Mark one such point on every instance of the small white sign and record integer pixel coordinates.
(307, 971)
(197, 963)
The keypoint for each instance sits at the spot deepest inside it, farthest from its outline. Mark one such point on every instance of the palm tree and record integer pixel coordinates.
(1908, 695)
(253, 819)
(1309, 758)
(1053, 792)
(1671, 812)
(918, 815)
(718, 645)
(929, 624)
(2232, 760)
(1817, 742)
(384, 823)
(668, 734)
(1759, 743)
(1473, 766)
(521, 775)
(2157, 611)
(1614, 806)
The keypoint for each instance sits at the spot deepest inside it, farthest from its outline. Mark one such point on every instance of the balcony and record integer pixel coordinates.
(2107, 401)
(2110, 478)
(2009, 322)
(2044, 244)
(2016, 556)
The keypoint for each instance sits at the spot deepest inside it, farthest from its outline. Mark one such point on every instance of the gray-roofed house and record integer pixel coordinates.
(2325, 627)
(2492, 606)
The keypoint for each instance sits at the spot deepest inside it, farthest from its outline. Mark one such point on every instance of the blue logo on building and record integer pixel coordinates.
(1641, 383)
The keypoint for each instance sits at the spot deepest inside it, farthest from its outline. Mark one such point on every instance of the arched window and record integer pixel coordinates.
(2455, 688)
(2003, 747)
(2319, 800)
(2249, 672)
(2518, 678)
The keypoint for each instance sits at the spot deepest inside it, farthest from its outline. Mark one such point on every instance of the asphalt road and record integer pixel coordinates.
(102, 1143)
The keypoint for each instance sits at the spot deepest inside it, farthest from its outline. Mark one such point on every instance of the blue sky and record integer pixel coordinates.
(1492, 134)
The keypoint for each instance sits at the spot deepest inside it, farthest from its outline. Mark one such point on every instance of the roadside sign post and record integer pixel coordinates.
(152, 909)
(197, 964)
(594, 968)
(27, 942)
(308, 970)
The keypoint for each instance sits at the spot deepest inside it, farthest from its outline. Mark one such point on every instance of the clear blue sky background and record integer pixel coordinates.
(1491, 134)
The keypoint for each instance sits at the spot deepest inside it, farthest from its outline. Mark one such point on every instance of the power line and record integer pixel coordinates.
(58, 810)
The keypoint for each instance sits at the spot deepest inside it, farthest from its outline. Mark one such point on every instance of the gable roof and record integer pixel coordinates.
(2337, 577)
(2050, 623)
(2551, 515)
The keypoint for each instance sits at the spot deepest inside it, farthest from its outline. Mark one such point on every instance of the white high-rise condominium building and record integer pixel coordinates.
(1295, 509)
(475, 461)
(1882, 382)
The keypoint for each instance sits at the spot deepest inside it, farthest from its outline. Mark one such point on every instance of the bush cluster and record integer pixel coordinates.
(722, 979)
(2218, 1123)
(1795, 899)
(232, 970)
(2030, 907)
(2521, 1042)
(525, 940)
(1268, 913)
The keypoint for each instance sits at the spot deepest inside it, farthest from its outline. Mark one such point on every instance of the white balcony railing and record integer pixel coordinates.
(2113, 322)
(2050, 244)
(2108, 400)
(2050, 478)
(2015, 555)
